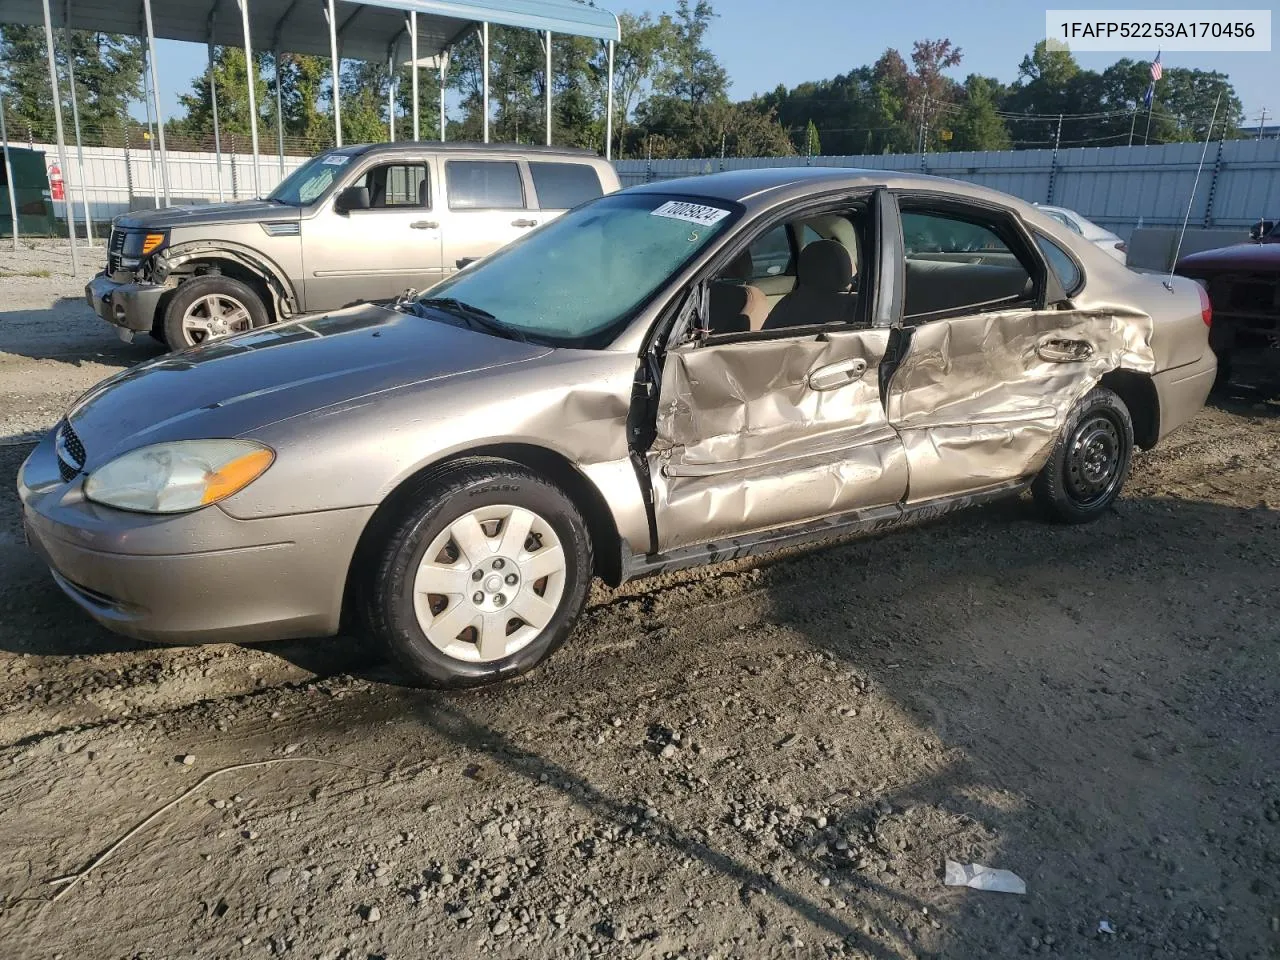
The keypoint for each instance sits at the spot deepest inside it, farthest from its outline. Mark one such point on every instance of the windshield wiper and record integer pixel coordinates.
(478, 318)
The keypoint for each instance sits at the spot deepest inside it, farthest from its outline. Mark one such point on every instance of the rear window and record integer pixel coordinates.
(564, 185)
(1061, 264)
(484, 185)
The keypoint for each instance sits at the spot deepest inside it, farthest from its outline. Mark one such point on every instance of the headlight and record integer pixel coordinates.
(180, 476)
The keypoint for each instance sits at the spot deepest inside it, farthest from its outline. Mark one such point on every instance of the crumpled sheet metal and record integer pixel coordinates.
(976, 404)
(744, 444)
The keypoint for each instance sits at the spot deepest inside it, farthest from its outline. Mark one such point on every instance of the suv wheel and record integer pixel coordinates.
(209, 308)
(1090, 462)
(482, 578)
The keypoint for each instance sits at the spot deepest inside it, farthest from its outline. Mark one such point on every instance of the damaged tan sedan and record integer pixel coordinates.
(673, 375)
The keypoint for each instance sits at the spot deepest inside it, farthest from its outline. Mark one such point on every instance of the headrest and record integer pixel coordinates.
(741, 267)
(825, 265)
(422, 192)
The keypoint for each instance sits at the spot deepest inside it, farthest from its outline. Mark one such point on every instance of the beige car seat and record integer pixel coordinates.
(824, 276)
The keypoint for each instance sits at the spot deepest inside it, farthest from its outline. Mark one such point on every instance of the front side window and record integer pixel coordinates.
(398, 185)
(954, 264)
(484, 185)
(562, 186)
(587, 272)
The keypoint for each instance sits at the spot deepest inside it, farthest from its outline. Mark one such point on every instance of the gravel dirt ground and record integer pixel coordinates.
(745, 761)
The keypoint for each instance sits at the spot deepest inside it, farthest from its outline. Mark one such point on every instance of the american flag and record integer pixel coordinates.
(1157, 72)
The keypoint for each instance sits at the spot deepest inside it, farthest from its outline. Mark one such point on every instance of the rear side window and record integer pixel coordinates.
(958, 265)
(484, 185)
(1061, 264)
(771, 254)
(563, 185)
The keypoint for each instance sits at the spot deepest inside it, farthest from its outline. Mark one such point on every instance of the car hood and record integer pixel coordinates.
(207, 213)
(234, 386)
(1241, 256)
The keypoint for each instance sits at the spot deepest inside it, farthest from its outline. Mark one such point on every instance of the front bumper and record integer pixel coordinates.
(197, 577)
(1182, 391)
(133, 307)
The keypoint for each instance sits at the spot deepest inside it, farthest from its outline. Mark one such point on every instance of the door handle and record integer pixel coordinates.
(1060, 350)
(423, 225)
(524, 223)
(835, 375)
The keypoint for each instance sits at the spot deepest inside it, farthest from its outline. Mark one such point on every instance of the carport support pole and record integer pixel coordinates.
(444, 69)
(608, 120)
(279, 116)
(253, 96)
(75, 122)
(155, 96)
(62, 140)
(484, 48)
(413, 56)
(217, 133)
(548, 90)
(333, 67)
(8, 176)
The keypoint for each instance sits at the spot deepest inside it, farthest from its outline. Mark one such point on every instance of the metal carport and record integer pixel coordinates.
(369, 30)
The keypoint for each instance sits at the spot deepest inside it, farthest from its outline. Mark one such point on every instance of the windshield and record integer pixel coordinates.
(311, 180)
(588, 271)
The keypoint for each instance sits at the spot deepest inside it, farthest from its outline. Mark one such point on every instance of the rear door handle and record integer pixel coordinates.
(524, 223)
(1060, 350)
(423, 225)
(835, 375)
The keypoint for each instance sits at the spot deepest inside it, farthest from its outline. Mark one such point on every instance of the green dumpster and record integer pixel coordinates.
(31, 191)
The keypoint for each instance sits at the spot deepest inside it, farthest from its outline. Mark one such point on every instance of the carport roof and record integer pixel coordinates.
(366, 30)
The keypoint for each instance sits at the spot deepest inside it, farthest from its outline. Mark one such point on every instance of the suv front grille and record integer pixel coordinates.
(114, 248)
(70, 451)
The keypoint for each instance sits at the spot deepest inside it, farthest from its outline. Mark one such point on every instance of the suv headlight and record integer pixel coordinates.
(177, 477)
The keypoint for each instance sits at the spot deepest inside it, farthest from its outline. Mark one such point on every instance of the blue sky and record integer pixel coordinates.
(766, 42)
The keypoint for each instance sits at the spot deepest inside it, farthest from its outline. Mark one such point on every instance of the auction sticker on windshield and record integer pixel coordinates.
(692, 212)
(338, 160)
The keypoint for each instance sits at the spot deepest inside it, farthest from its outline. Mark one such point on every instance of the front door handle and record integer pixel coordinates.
(423, 225)
(835, 375)
(524, 223)
(1060, 350)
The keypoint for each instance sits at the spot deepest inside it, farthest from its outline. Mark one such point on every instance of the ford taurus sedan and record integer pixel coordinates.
(673, 375)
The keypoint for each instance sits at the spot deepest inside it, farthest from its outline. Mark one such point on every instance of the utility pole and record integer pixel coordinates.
(1133, 122)
(1262, 121)
(924, 104)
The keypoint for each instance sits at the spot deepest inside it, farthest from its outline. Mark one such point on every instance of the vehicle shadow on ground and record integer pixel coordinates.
(71, 333)
(1097, 710)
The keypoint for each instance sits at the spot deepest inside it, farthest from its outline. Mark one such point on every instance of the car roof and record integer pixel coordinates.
(763, 186)
(462, 146)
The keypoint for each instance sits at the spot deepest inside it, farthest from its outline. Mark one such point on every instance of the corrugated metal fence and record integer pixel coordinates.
(1117, 187)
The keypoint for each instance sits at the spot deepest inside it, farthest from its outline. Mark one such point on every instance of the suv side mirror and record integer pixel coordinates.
(352, 198)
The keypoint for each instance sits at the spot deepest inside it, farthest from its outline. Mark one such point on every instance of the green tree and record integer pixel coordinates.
(812, 142)
(978, 125)
(108, 69)
(228, 71)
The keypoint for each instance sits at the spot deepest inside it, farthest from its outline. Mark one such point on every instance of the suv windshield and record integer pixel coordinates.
(311, 180)
(588, 271)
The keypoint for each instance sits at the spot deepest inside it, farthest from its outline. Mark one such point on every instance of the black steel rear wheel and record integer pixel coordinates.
(1090, 462)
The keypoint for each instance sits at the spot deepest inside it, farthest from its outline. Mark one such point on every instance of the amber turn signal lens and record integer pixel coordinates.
(152, 243)
(236, 475)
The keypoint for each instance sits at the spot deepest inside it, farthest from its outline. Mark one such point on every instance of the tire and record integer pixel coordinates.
(478, 634)
(1089, 463)
(221, 304)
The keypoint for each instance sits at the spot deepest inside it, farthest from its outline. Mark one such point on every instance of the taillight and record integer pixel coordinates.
(1206, 308)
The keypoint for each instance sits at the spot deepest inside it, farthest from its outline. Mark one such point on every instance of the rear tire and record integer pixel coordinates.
(209, 308)
(1089, 463)
(482, 577)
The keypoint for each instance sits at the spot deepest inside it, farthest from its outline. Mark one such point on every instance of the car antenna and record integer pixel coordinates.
(1168, 284)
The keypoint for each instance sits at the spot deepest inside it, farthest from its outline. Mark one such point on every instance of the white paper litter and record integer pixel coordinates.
(1104, 926)
(980, 877)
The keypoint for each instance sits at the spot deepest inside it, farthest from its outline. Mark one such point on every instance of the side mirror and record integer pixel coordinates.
(352, 198)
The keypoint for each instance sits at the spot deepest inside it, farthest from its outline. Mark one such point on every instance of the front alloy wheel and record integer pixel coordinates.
(480, 573)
